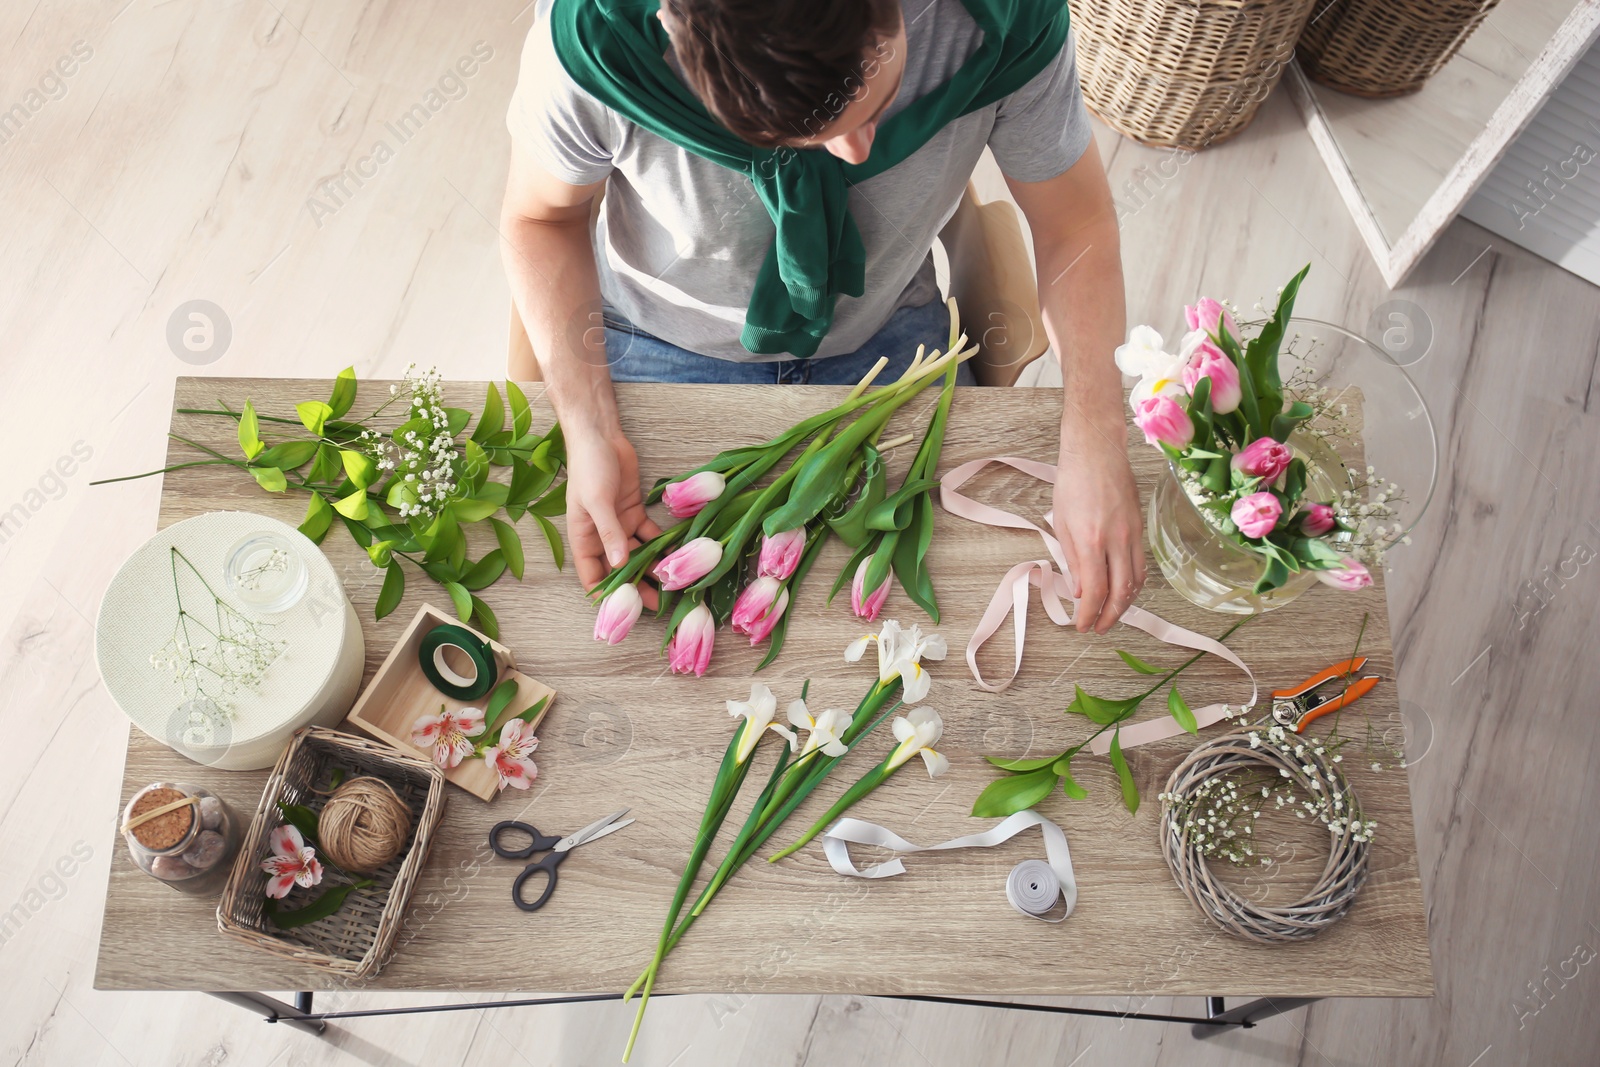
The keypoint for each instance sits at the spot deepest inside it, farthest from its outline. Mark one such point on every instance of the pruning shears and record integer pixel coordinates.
(1318, 695)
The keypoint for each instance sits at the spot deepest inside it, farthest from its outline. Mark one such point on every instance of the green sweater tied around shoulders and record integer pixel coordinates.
(616, 51)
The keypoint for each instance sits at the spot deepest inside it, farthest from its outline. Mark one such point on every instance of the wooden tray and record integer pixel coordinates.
(400, 693)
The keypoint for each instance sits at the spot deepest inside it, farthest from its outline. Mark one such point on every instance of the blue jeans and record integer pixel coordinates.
(636, 356)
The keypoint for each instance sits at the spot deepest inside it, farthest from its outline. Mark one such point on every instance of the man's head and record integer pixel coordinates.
(792, 73)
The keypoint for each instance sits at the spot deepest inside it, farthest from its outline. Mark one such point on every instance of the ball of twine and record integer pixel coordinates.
(363, 825)
(1300, 920)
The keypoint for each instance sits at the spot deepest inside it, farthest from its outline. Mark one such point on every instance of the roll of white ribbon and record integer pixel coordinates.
(1033, 887)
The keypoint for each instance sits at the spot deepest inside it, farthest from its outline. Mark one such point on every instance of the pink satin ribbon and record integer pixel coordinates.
(1053, 579)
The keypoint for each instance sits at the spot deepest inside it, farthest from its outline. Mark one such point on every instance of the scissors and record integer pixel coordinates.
(1297, 707)
(557, 849)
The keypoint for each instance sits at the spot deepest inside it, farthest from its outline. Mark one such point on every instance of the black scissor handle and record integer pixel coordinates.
(547, 864)
(537, 842)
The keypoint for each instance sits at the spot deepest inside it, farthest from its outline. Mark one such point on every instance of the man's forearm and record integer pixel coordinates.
(1085, 314)
(559, 301)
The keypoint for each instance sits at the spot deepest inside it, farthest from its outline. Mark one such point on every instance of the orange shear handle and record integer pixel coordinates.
(1356, 691)
(1349, 666)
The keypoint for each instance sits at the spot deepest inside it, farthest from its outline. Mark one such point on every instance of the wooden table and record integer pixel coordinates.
(623, 731)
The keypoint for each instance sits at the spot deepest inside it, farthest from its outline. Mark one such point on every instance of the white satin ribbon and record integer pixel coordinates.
(1055, 584)
(1033, 887)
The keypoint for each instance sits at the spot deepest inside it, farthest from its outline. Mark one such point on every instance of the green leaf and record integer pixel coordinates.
(531, 712)
(493, 417)
(553, 537)
(1130, 790)
(359, 467)
(1138, 664)
(521, 413)
(528, 481)
(442, 537)
(353, 506)
(319, 516)
(250, 432)
(502, 696)
(1180, 711)
(344, 393)
(552, 503)
(487, 622)
(1100, 710)
(321, 908)
(1069, 784)
(288, 455)
(314, 415)
(394, 587)
(1215, 479)
(270, 478)
(358, 532)
(1283, 425)
(1017, 766)
(1273, 575)
(461, 599)
(486, 571)
(470, 509)
(851, 526)
(510, 546)
(457, 419)
(474, 466)
(303, 819)
(1014, 793)
(328, 465)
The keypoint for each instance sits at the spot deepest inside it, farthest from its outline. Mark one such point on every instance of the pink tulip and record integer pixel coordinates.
(687, 497)
(1263, 458)
(1164, 422)
(1256, 514)
(618, 612)
(780, 554)
(1206, 315)
(1209, 362)
(690, 650)
(867, 605)
(689, 564)
(759, 608)
(1348, 575)
(1318, 520)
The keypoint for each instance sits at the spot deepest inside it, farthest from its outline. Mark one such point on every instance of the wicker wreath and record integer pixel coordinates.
(1321, 906)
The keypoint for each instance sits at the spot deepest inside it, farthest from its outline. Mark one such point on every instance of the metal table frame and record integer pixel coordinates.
(1218, 1018)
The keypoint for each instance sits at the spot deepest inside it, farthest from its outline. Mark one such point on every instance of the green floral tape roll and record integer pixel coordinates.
(430, 656)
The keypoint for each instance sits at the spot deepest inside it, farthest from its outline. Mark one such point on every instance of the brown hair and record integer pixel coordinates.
(779, 71)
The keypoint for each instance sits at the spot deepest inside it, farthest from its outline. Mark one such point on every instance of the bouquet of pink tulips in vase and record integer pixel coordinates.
(1238, 437)
(743, 543)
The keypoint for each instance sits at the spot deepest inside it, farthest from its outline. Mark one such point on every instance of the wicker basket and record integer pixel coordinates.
(1183, 73)
(356, 941)
(1386, 47)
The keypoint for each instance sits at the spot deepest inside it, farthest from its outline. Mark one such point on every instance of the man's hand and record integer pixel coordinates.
(605, 507)
(1097, 519)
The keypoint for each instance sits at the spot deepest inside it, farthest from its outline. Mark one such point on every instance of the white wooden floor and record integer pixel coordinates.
(176, 163)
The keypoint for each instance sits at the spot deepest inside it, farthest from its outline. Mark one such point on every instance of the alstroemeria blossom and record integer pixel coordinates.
(759, 608)
(780, 554)
(292, 862)
(1205, 360)
(448, 733)
(690, 649)
(1348, 575)
(825, 731)
(618, 612)
(1207, 314)
(758, 714)
(1256, 514)
(1317, 520)
(686, 497)
(689, 564)
(1263, 458)
(900, 653)
(867, 605)
(510, 757)
(918, 731)
(1164, 422)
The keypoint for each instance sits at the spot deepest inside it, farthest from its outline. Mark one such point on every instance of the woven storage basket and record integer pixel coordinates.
(357, 940)
(1183, 73)
(1386, 47)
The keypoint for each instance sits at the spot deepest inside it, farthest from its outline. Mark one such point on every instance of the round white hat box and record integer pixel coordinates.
(256, 653)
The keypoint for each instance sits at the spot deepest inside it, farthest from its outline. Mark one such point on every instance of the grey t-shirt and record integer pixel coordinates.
(679, 239)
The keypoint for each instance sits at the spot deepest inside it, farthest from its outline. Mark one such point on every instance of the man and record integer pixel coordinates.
(775, 172)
